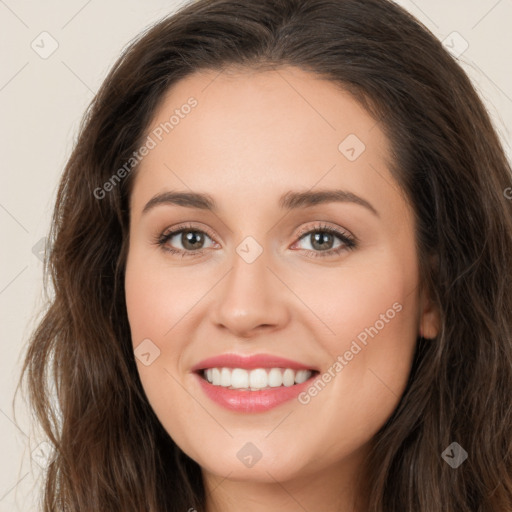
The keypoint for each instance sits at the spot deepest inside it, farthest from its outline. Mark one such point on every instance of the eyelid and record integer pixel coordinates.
(326, 227)
(187, 226)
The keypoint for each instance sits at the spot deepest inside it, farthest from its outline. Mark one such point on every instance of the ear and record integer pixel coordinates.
(429, 317)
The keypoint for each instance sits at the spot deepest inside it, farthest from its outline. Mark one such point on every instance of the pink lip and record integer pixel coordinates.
(249, 362)
(252, 401)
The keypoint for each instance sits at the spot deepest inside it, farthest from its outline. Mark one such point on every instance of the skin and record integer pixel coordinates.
(252, 137)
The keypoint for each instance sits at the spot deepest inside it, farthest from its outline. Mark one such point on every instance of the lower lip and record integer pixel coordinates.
(252, 401)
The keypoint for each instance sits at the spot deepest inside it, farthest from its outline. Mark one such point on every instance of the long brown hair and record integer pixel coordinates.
(111, 452)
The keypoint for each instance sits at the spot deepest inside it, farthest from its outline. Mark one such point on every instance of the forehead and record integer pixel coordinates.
(249, 135)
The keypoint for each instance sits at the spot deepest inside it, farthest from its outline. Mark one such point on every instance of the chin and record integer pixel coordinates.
(248, 461)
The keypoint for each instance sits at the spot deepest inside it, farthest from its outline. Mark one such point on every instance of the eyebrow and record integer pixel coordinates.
(289, 201)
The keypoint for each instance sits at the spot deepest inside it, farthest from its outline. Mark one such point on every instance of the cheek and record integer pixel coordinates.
(372, 307)
(370, 328)
(157, 302)
(157, 297)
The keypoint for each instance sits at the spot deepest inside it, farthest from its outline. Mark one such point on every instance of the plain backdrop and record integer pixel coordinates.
(55, 55)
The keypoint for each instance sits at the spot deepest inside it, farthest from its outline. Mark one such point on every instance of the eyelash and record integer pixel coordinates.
(349, 242)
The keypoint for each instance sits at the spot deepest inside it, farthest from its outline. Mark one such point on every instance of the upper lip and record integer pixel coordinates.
(249, 362)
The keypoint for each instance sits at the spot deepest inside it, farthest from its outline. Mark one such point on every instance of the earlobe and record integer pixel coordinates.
(430, 322)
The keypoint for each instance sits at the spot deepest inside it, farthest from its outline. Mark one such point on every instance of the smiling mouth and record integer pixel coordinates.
(257, 379)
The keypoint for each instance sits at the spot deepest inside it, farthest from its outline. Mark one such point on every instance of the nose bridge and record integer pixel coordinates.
(250, 295)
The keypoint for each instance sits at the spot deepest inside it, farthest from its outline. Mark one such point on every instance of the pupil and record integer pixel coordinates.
(191, 239)
(319, 239)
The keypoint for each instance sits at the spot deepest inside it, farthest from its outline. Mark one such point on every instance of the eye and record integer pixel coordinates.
(188, 239)
(322, 241)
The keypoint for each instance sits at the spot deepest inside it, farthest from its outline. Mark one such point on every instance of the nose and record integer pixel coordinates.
(251, 299)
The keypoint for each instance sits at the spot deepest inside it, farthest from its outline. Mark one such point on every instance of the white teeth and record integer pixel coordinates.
(288, 377)
(225, 377)
(302, 376)
(259, 378)
(275, 378)
(239, 378)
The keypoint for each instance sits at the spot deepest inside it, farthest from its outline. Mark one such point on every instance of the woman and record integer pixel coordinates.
(203, 357)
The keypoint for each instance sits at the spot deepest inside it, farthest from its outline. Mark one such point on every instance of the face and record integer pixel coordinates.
(300, 247)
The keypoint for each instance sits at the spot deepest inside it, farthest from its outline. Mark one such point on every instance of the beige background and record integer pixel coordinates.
(41, 103)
